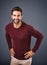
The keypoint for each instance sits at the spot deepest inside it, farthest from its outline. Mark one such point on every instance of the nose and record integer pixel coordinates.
(16, 17)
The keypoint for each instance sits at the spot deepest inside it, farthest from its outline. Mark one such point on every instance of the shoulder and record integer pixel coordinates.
(30, 27)
(8, 26)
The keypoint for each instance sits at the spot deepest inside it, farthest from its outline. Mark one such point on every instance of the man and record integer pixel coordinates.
(18, 35)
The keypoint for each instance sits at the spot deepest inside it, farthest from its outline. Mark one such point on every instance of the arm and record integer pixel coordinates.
(39, 37)
(9, 44)
(8, 40)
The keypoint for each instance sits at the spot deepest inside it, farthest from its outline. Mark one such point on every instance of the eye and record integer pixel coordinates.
(14, 15)
(18, 15)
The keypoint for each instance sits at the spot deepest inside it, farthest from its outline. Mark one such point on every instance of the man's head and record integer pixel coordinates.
(16, 14)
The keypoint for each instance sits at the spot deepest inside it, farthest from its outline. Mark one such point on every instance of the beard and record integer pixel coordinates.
(16, 21)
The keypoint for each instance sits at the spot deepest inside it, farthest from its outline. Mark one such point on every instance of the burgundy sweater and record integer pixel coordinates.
(20, 39)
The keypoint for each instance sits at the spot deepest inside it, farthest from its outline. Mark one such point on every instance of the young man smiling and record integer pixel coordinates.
(18, 35)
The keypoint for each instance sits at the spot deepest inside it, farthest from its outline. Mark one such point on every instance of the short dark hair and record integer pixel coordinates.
(17, 8)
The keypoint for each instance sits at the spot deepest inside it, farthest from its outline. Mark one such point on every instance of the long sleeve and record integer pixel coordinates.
(39, 38)
(20, 39)
(8, 40)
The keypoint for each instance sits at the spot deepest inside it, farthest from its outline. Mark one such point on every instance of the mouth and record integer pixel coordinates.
(16, 20)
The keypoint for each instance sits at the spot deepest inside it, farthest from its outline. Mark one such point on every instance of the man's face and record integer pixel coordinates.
(16, 16)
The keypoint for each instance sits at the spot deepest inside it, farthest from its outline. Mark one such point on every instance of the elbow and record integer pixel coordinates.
(42, 36)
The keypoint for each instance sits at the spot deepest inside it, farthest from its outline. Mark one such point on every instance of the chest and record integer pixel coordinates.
(19, 34)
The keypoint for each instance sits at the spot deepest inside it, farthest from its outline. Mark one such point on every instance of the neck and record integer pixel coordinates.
(18, 25)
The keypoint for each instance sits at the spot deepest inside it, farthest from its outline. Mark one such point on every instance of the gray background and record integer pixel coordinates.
(34, 13)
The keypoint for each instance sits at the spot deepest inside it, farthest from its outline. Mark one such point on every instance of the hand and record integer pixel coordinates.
(29, 54)
(12, 52)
